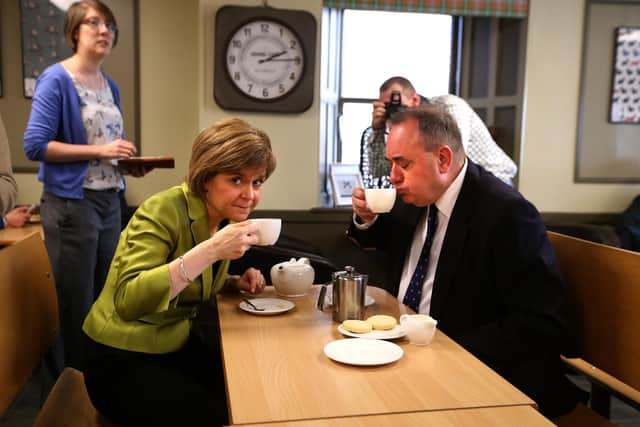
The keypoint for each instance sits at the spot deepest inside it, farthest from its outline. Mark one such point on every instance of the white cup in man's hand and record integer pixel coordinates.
(380, 200)
(268, 230)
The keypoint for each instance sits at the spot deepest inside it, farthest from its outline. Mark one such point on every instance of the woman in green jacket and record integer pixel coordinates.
(145, 365)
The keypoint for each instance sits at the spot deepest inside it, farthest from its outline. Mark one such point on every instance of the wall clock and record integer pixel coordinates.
(264, 59)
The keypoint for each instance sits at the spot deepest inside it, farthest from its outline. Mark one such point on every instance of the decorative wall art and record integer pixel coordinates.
(43, 44)
(608, 114)
(625, 93)
(344, 178)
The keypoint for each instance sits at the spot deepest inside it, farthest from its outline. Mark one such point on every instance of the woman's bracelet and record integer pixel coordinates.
(183, 272)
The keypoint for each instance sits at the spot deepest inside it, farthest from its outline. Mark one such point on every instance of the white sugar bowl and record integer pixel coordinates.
(293, 278)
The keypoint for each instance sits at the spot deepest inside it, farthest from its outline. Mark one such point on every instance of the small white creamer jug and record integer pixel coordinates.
(419, 328)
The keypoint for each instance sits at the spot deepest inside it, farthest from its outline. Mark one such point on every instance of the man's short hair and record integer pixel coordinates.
(435, 124)
(406, 85)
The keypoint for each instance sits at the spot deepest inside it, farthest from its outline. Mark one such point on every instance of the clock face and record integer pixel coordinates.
(265, 59)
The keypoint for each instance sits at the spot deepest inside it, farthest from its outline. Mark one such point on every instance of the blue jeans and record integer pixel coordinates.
(81, 237)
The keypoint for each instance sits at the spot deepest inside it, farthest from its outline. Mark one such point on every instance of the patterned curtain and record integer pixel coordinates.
(498, 8)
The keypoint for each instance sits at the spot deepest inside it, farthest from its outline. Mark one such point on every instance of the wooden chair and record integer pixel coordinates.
(28, 326)
(28, 313)
(603, 284)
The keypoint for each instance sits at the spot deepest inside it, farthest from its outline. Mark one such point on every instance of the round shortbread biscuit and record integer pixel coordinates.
(357, 326)
(382, 322)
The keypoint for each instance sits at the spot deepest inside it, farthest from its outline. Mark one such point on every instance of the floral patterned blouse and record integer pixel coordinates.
(103, 123)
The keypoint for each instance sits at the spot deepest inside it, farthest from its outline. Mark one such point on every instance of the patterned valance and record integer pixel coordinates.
(501, 8)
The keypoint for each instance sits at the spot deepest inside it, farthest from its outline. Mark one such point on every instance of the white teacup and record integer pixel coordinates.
(380, 200)
(419, 328)
(268, 230)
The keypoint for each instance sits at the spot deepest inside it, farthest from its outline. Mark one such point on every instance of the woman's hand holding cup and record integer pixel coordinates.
(232, 241)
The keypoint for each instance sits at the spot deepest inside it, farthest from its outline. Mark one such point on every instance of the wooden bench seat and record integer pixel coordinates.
(603, 287)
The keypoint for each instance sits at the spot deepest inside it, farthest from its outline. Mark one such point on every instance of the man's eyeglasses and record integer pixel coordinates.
(97, 23)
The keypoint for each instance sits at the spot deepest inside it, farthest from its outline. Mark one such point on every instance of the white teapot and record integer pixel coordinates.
(293, 278)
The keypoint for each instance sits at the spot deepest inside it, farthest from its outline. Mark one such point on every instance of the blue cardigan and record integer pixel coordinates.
(55, 116)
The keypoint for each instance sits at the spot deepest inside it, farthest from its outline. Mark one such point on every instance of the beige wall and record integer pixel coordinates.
(176, 90)
(552, 87)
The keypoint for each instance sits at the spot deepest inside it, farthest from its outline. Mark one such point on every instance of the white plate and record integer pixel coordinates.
(368, 300)
(270, 305)
(363, 352)
(390, 334)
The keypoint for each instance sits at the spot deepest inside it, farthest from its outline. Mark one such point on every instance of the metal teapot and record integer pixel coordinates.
(349, 291)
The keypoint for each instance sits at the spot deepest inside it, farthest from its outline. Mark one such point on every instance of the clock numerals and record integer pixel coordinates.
(267, 55)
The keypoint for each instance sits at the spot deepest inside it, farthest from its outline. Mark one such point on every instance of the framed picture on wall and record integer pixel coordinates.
(625, 89)
(43, 43)
(344, 178)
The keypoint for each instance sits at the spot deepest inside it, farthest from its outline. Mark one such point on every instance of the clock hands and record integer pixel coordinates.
(285, 59)
(271, 57)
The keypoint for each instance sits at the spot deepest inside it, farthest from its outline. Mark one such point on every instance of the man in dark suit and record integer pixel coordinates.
(488, 274)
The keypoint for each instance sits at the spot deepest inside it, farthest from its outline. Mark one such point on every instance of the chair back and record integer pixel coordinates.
(603, 285)
(28, 313)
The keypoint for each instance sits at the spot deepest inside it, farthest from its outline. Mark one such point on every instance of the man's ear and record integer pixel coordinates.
(444, 158)
(415, 100)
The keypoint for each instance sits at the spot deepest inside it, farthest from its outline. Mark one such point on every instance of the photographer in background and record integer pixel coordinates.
(397, 94)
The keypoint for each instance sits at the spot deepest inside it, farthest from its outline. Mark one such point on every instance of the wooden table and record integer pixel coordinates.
(500, 416)
(9, 236)
(276, 370)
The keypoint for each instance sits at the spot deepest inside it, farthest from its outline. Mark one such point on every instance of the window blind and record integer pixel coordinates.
(498, 8)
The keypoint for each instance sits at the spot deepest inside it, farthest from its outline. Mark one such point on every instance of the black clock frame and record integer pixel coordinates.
(230, 19)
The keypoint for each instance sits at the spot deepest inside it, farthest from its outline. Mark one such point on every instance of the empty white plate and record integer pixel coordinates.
(363, 352)
(270, 305)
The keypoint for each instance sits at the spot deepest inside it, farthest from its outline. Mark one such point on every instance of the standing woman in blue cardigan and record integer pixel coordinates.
(76, 132)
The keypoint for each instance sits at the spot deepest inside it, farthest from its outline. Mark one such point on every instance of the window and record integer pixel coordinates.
(361, 49)
(476, 57)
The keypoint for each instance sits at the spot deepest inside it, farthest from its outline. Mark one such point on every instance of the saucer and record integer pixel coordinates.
(368, 300)
(270, 305)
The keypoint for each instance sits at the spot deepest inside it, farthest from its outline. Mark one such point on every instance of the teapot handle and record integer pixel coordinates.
(321, 296)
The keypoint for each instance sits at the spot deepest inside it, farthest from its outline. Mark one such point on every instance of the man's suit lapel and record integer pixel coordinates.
(454, 242)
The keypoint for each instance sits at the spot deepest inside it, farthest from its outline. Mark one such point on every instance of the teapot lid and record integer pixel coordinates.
(303, 263)
(348, 273)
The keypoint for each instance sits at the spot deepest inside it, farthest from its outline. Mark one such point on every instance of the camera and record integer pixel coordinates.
(394, 105)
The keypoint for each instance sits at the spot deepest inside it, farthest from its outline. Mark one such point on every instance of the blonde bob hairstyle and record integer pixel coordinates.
(228, 146)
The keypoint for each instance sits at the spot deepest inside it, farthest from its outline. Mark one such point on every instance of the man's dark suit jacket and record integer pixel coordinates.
(497, 289)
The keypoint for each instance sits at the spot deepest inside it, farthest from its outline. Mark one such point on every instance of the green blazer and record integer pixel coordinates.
(134, 311)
